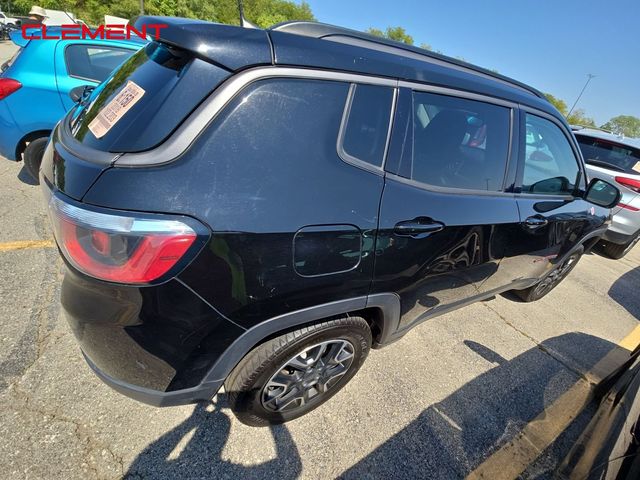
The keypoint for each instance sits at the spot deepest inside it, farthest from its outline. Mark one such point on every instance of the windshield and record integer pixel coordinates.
(602, 153)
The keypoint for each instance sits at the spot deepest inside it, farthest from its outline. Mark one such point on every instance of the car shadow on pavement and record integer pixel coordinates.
(452, 438)
(24, 177)
(204, 435)
(625, 292)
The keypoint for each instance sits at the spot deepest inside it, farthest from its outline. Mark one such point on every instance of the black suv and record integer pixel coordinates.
(257, 208)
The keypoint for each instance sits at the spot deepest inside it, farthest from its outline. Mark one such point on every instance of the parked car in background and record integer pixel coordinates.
(258, 208)
(5, 20)
(617, 160)
(36, 86)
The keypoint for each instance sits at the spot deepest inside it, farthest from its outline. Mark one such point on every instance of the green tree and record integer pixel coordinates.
(577, 117)
(628, 125)
(263, 13)
(399, 34)
(560, 105)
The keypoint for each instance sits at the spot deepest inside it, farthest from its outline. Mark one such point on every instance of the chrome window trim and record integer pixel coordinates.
(182, 138)
(452, 92)
(355, 161)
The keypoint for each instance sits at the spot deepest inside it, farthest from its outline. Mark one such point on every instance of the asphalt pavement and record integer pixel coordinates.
(495, 390)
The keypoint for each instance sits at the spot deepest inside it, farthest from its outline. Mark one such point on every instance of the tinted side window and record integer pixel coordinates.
(367, 124)
(94, 62)
(550, 166)
(459, 143)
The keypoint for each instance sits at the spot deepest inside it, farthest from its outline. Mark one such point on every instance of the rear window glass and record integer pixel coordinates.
(365, 133)
(92, 62)
(615, 156)
(171, 82)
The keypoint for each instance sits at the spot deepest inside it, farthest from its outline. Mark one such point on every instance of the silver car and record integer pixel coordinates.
(616, 160)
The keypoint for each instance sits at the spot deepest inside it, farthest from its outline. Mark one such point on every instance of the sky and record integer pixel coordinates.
(549, 44)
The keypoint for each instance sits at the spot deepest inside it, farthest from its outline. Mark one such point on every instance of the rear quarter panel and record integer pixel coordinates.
(36, 106)
(260, 173)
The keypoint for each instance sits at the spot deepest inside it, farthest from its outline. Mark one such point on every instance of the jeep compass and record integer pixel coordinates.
(259, 208)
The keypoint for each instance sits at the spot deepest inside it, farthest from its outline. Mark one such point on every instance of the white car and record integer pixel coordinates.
(616, 160)
(4, 20)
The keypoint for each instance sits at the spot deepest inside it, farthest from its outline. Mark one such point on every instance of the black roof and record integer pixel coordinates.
(318, 45)
(346, 35)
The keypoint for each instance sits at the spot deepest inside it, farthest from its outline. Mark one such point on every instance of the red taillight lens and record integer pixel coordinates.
(117, 247)
(629, 207)
(630, 183)
(8, 86)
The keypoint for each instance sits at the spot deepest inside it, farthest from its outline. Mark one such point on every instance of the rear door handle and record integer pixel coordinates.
(536, 221)
(418, 227)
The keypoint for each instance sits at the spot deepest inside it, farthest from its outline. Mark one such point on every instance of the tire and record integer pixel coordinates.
(33, 157)
(292, 374)
(615, 251)
(552, 279)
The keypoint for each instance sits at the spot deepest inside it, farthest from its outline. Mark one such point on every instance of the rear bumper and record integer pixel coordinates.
(618, 238)
(10, 134)
(201, 393)
(153, 343)
(624, 226)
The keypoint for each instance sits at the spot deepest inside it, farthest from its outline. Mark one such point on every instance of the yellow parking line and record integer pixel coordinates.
(24, 244)
(512, 459)
(631, 341)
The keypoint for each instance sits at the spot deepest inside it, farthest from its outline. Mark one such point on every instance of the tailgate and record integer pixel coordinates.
(69, 166)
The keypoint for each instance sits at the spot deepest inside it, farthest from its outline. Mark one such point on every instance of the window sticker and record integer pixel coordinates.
(637, 167)
(116, 109)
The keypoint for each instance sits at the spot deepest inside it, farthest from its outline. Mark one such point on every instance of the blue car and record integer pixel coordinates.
(37, 85)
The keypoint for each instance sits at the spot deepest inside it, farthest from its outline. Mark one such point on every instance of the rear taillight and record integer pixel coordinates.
(629, 207)
(118, 247)
(8, 86)
(630, 183)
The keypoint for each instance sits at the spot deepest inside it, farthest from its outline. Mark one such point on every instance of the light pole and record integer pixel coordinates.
(589, 77)
(141, 7)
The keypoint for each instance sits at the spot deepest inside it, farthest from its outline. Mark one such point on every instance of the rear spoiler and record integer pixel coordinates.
(17, 38)
(243, 47)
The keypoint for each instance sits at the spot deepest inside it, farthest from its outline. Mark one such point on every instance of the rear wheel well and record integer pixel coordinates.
(373, 316)
(29, 137)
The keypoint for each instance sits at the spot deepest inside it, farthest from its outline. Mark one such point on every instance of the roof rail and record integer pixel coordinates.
(576, 127)
(326, 31)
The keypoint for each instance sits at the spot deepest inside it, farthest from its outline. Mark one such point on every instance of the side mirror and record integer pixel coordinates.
(76, 94)
(602, 193)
